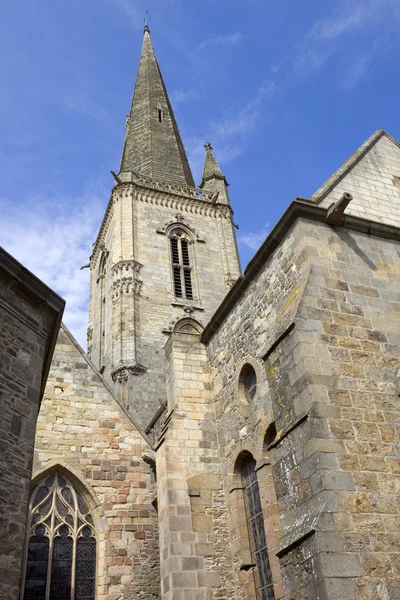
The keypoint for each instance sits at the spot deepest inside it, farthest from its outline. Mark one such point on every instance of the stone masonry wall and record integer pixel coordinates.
(29, 316)
(320, 325)
(83, 430)
(195, 553)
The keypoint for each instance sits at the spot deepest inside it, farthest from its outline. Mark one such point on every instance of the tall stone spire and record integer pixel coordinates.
(153, 145)
(213, 180)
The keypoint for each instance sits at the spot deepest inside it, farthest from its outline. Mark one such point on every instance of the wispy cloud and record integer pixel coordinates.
(230, 135)
(328, 35)
(82, 104)
(182, 96)
(232, 39)
(54, 241)
(253, 239)
(357, 72)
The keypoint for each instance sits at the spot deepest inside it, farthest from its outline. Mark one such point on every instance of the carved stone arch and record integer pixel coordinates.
(64, 513)
(80, 482)
(180, 224)
(188, 325)
(102, 263)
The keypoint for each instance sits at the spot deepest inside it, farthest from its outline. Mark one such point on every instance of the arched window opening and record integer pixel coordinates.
(60, 561)
(247, 383)
(256, 530)
(181, 267)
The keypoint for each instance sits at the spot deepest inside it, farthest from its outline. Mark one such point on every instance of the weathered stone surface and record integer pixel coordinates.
(85, 431)
(30, 315)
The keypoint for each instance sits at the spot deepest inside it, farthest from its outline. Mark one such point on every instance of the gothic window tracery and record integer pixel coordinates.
(181, 265)
(60, 561)
(256, 530)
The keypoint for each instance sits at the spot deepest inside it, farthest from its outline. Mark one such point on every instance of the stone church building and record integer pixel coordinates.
(228, 435)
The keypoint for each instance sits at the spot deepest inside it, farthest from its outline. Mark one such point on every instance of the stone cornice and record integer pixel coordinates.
(299, 208)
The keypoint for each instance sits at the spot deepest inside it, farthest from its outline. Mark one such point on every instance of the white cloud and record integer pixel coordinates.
(328, 35)
(182, 96)
(230, 136)
(53, 241)
(356, 72)
(253, 239)
(81, 104)
(229, 40)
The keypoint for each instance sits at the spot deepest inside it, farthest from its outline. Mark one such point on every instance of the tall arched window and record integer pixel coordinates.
(256, 530)
(60, 562)
(181, 265)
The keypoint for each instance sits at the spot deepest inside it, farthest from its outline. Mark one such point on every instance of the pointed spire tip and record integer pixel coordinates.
(146, 24)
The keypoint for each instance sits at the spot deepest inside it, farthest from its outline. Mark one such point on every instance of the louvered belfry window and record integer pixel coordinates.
(61, 545)
(255, 526)
(181, 268)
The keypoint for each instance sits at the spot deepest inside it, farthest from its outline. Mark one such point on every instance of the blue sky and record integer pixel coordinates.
(285, 91)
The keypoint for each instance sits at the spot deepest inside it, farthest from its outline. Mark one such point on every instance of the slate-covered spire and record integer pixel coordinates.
(213, 180)
(153, 146)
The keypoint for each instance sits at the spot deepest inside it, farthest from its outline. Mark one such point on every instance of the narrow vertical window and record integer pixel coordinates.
(256, 530)
(160, 115)
(102, 311)
(61, 544)
(181, 268)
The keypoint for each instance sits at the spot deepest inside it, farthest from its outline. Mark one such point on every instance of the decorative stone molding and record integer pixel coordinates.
(181, 224)
(177, 190)
(121, 373)
(190, 200)
(230, 281)
(185, 325)
(126, 279)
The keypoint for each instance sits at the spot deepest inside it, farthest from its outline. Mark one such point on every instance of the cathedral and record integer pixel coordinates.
(227, 435)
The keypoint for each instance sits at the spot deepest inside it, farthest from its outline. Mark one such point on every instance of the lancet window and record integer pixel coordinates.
(256, 530)
(181, 265)
(60, 561)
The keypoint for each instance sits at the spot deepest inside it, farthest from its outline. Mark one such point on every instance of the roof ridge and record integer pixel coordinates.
(131, 418)
(338, 175)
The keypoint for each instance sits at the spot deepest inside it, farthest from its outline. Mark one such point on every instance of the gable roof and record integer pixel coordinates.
(85, 357)
(342, 171)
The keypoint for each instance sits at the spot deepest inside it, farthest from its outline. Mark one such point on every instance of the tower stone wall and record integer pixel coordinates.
(133, 304)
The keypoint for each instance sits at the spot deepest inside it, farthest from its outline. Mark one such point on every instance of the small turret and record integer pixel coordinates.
(213, 180)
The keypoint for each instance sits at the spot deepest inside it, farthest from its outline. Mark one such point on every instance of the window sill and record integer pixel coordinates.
(187, 304)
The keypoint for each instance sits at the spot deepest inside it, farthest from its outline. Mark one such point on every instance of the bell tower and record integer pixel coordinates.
(166, 250)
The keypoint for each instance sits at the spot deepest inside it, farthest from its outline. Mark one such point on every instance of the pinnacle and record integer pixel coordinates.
(211, 168)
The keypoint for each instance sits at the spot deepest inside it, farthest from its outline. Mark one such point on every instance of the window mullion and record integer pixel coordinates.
(51, 541)
(181, 269)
